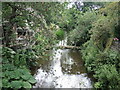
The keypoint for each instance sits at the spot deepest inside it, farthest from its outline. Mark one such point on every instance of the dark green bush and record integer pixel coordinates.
(60, 34)
(15, 73)
(108, 76)
(13, 77)
(83, 24)
(98, 53)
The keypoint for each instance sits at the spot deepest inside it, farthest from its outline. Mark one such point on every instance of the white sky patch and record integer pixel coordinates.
(70, 5)
(81, 3)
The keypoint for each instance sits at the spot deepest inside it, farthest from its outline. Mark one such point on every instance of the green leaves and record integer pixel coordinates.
(37, 16)
(19, 84)
(26, 85)
(98, 85)
(108, 73)
(98, 52)
(80, 34)
(25, 77)
(59, 34)
(8, 67)
(17, 77)
(32, 80)
(16, 84)
(5, 83)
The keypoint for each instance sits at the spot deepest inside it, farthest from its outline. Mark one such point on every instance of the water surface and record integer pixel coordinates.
(64, 69)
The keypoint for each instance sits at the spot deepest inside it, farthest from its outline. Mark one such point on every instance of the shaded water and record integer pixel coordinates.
(64, 69)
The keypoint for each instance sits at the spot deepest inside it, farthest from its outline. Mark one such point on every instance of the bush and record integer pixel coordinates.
(60, 34)
(99, 57)
(13, 77)
(108, 76)
(15, 73)
(83, 24)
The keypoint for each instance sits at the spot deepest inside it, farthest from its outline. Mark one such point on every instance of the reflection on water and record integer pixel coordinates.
(72, 63)
(63, 70)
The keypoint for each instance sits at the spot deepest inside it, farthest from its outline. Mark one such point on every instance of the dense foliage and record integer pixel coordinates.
(100, 53)
(27, 33)
(83, 25)
(29, 29)
(98, 34)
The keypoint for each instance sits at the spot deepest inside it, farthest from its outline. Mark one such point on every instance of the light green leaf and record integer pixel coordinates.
(26, 85)
(26, 77)
(32, 80)
(16, 84)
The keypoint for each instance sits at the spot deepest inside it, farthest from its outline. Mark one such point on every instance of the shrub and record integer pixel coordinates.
(108, 76)
(15, 73)
(60, 34)
(13, 77)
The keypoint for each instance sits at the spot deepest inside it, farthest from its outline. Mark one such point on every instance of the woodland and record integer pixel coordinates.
(29, 29)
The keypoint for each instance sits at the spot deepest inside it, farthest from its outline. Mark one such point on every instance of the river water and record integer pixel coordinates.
(64, 69)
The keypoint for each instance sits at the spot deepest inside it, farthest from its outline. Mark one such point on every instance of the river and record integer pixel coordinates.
(64, 69)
